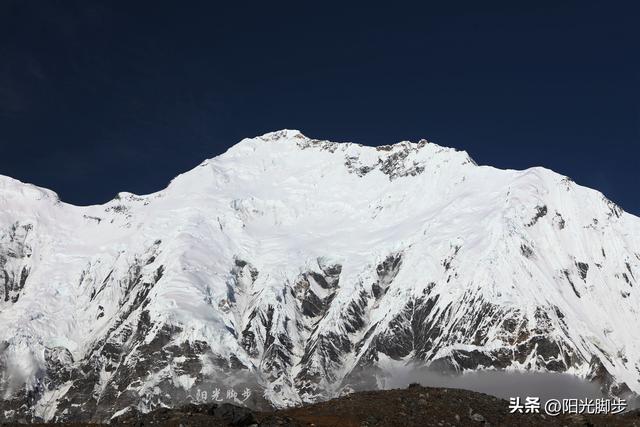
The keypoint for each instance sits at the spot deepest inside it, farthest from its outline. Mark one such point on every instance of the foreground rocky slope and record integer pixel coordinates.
(414, 406)
(302, 269)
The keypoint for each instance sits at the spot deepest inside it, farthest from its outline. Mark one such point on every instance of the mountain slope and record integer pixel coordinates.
(301, 269)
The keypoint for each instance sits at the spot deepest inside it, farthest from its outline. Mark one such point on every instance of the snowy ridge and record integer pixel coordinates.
(302, 268)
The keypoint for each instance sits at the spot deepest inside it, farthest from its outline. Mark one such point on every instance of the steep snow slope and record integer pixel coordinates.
(304, 268)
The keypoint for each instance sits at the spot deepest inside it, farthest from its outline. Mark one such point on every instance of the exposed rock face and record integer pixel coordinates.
(15, 253)
(291, 270)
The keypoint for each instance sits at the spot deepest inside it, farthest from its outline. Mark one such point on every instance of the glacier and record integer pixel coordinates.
(303, 269)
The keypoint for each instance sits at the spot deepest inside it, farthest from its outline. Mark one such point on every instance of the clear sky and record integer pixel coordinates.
(102, 97)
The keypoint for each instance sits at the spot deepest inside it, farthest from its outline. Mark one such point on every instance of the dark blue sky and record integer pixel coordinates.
(101, 97)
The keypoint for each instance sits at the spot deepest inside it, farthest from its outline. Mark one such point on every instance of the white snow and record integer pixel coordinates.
(281, 202)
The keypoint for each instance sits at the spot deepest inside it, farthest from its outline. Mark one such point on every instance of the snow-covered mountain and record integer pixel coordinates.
(304, 268)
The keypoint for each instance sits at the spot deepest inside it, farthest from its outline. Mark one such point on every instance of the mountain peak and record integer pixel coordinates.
(302, 141)
(282, 134)
(294, 266)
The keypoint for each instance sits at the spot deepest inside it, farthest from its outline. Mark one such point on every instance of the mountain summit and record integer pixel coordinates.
(300, 269)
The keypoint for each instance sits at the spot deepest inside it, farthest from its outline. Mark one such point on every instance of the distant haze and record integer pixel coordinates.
(502, 384)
